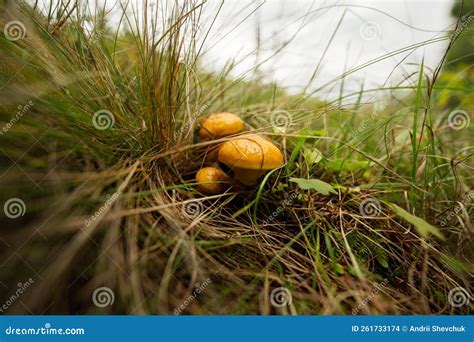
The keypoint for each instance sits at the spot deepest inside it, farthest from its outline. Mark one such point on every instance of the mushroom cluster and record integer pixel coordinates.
(249, 156)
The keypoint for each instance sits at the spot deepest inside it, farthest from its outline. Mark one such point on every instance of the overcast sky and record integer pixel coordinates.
(367, 30)
(301, 30)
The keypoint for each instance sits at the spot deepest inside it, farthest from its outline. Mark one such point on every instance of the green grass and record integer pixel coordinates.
(136, 178)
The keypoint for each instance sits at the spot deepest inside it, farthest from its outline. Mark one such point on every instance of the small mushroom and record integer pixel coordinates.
(220, 125)
(213, 180)
(250, 156)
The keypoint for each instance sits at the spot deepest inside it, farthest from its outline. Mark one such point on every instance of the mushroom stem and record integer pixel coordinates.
(246, 176)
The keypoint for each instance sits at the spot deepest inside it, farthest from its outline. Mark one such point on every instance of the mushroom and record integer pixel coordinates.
(250, 156)
(213, 180)
(220, 125)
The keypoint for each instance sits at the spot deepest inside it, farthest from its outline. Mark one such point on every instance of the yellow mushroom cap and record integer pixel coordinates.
(219, 125)
(212, 179)
(252, 152)
(250, 156)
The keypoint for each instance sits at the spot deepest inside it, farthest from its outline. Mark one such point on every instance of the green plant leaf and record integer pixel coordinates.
(423, 227)
(382, 260)
(314, 184)
(312, 156)
(338, 268)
